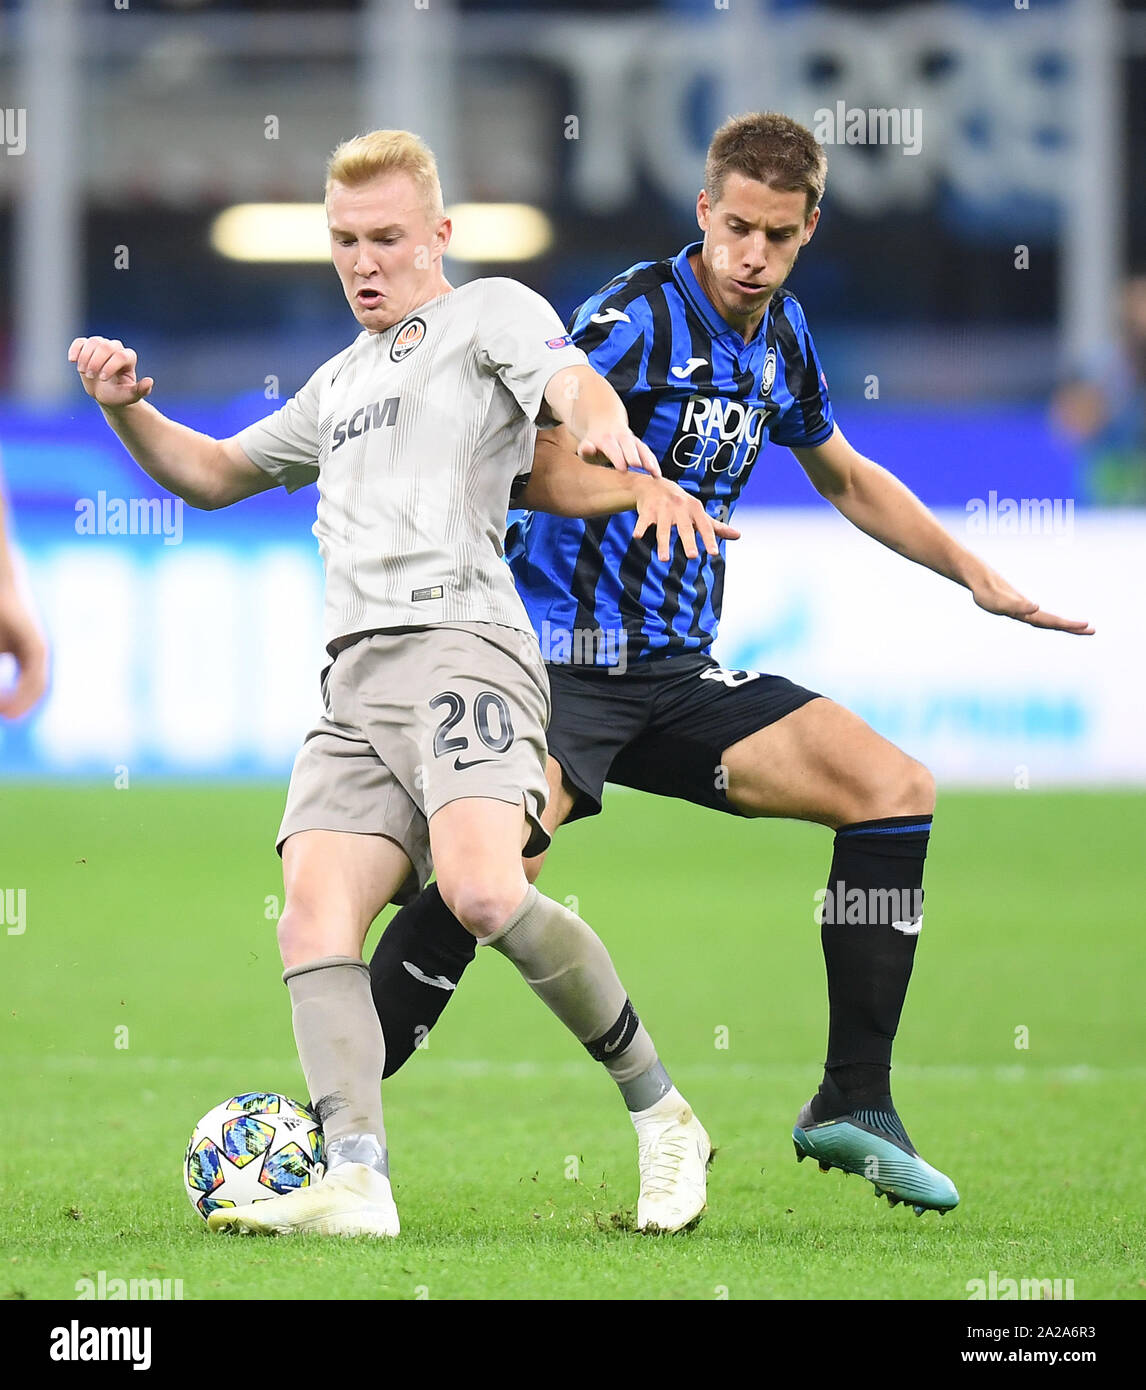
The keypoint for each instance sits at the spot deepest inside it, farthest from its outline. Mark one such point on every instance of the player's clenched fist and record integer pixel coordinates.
(107, 370)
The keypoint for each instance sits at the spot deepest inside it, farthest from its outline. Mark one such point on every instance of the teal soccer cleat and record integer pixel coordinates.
(874, 1145)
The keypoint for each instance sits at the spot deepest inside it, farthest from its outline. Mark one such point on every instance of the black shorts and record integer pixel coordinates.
(661, 727)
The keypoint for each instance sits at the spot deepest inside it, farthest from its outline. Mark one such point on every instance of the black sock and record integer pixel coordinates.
(876, 880)
(426, 935)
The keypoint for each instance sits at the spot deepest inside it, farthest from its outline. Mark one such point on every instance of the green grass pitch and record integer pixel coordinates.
(145, 988)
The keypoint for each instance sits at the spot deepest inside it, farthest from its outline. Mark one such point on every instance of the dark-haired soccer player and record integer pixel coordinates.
(713, 358)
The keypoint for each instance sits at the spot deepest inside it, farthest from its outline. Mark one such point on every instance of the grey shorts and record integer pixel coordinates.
(417, 718)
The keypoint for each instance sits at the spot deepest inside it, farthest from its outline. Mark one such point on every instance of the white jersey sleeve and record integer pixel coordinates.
(286, 443)
(523, 342)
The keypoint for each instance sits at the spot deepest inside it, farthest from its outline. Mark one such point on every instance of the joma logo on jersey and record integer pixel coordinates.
(366, 417)
(719, 435)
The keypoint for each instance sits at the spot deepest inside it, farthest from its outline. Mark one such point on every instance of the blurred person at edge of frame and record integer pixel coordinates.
(20, 637)
(1102, 409)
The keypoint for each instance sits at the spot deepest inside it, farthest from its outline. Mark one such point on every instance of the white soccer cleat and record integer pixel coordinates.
(673, 1156)
(351, 1200)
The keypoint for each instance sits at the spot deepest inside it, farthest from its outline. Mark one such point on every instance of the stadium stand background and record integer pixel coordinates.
(968, 376)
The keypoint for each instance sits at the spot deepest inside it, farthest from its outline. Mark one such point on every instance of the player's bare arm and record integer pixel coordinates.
(582, 399)
(563, 484)
(206, 473)
(19, 637)
(879, 504)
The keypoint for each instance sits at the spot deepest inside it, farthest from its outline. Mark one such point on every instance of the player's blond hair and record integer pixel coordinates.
(377, 152)
(771, 148)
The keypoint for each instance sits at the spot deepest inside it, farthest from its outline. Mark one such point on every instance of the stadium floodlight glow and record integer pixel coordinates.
(498, 232)
(272, 232)
(286, 232)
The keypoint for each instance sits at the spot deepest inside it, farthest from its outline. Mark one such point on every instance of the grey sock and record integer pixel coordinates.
(566, 964)
(358, 1148)
(342, 1053)
(645, 1090)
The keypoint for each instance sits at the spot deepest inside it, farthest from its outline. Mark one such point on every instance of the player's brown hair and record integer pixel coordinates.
(771, 148)
(365, 157)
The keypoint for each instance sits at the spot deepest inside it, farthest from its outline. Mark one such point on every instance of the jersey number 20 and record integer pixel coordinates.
(489, 710)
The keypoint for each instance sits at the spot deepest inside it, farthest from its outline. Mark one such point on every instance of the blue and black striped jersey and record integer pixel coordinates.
(705, 402)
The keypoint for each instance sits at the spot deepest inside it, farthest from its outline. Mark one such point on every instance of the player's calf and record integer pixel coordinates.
(415, 969)
(342, 1053)
(567, 965)
(336, 884)
(871, 916)
(562, 959)
(822, 763)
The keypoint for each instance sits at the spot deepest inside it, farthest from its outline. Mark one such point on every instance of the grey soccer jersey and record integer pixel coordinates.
(415, 436)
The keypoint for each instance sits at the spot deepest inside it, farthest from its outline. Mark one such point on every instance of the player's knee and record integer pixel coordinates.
(925, 788)
(306, 934)
(905, 788)
(893, 785)
(482, 906)
(916, 789)
(299, 935)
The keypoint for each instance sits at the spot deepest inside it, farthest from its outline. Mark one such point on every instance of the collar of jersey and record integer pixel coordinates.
(685, 277)
(413, 314)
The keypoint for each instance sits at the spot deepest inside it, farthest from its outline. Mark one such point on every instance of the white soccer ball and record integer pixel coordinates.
(251, 1148)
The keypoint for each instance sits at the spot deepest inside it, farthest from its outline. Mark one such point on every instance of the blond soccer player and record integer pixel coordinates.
(431, 752)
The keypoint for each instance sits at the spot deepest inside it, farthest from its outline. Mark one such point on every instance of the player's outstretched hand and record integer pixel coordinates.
(623, 449)
(107, 370)
(19, 637)
(662, 505)
(994, 594)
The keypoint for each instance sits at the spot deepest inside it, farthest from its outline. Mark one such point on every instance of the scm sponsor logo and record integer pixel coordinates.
(366, 417)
